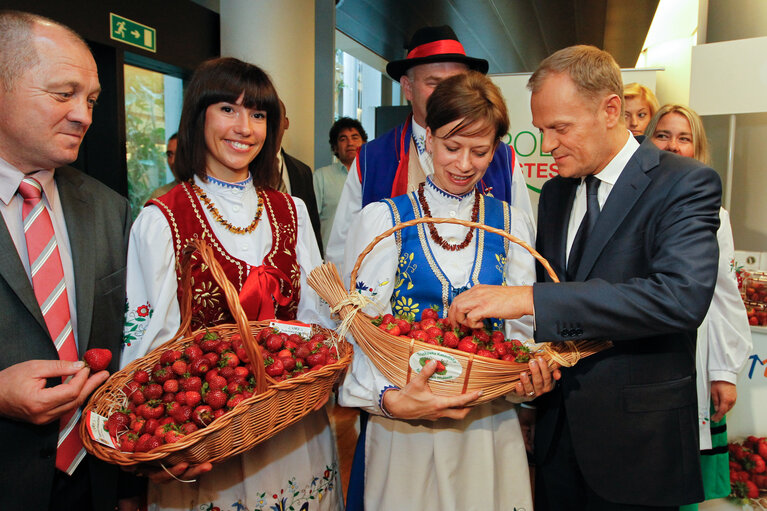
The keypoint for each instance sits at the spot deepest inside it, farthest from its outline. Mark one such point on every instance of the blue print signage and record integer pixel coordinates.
(749, 416)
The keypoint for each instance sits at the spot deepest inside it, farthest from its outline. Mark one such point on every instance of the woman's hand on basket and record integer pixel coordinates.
(538, 381)
(482, 301)
(416, 401)
(184, 472)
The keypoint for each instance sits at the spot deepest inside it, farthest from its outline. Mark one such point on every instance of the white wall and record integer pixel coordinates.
(278, 36)
(733, 20)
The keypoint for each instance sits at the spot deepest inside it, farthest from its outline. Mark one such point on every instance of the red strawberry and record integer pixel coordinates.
(419, 335)
(161, 375)
(169, 356)
(216, 399)
(141, 377)
(209, 345)
(756, 464)
(387, 318)
(481, 335)
(761, 448)
(173, 436)
(434, 331)
(223, 346)
(431, 313)
(315, 359)
(128, 442)
(117, 422)
(393, 329)
(147, 442)
(200, 366)
(242, 371)
(170, 386)
(192, 352)
(137, 425)
(212, 358)
(98, 359)
(404, 326)
(192, 383)
(289, 363)
(468, 345)
(193, 398)
(487, 353)
(179, 367)
(188, 428)
(216, 382)
(497, 336)
(153, 391)
(153, 410)
(234, 401)
(182, 414)
(274, 343)
(229, 359)
(274, 368)
(450, 339)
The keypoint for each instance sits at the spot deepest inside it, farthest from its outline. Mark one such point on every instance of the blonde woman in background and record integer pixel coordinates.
(724, 337)
(640, 105)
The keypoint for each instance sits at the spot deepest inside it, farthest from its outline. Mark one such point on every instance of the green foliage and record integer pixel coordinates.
(145, 134)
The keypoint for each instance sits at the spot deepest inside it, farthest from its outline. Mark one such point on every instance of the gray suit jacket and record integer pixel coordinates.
(645, 282)
(98, 224)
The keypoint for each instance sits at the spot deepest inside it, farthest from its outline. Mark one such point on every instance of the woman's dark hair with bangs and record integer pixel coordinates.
(470, 96)
(224, 79)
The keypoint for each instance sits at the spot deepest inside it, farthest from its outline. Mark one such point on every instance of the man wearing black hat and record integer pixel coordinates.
(384, 167)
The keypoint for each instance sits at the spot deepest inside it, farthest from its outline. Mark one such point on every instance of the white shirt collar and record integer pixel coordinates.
(419, 137)
(612, 170)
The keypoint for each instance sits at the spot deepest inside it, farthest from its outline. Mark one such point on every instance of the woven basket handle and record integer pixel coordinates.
(465, 223)
(232, 300)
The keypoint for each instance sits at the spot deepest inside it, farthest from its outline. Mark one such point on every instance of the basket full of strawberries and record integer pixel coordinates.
(205, 396)
(467, 360)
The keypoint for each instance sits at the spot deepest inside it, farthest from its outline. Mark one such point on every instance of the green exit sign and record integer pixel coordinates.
(133, 33)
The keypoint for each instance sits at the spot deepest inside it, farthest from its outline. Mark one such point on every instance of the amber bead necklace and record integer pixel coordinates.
(439, 240)
(220, 219)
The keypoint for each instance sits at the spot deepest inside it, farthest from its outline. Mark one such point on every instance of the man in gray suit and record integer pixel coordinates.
(48, 88)
(632, 232)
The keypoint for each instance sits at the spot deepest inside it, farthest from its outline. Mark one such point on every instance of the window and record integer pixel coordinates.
(152, 111)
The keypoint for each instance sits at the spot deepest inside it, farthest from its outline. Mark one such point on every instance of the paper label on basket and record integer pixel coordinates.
(450, 368)
(97, 428)
(292, 327)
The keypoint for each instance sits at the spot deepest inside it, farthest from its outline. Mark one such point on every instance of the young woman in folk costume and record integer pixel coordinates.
(264, 241)
(422, 451)
(724, 337)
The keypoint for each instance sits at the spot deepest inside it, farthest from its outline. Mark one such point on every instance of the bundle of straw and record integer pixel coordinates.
(393, 355)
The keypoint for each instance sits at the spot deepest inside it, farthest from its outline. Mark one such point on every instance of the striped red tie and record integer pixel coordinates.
(51, 292)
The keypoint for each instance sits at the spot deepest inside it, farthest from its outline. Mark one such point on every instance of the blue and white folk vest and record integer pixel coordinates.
(420, 282)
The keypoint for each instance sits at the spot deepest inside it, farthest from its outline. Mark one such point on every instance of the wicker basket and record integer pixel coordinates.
(392, 354)
(274, 407)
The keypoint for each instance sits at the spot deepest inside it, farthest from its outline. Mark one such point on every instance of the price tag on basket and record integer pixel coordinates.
(97, 428)
(292, 327)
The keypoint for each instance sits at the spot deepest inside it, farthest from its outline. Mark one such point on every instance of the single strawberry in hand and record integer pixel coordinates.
(98, 359)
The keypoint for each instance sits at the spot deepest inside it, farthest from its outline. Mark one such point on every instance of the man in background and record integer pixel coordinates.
(296, 178)
(170, 153)
(346, 137)
(63, 243)
(397, 162)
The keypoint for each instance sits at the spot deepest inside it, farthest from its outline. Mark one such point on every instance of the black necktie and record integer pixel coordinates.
(587, 224)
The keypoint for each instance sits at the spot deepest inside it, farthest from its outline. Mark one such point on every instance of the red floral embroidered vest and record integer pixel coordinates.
(186, 217)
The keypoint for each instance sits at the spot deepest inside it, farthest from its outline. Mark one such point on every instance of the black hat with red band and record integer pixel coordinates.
(434, 44)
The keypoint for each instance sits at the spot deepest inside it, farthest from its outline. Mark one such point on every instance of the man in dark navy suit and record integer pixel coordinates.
(632, 232)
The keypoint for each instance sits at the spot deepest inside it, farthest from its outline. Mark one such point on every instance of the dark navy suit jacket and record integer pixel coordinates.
(645, 282)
